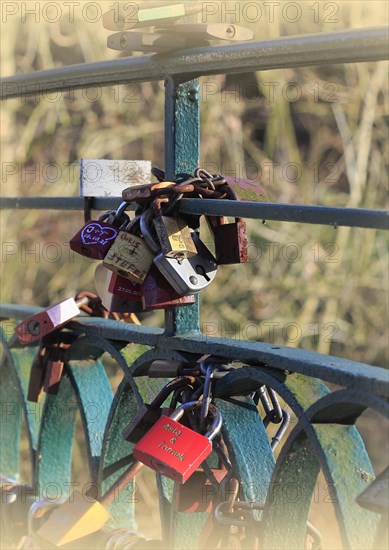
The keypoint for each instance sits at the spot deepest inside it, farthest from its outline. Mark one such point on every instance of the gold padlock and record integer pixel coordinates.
(81, 516)
(130, 257)
(175, 237)
(75, 518)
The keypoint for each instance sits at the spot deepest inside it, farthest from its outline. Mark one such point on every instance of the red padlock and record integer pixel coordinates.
(158, 294)
(37, 326)
(231, 243)
(174, 450)
(198, 494)
(96, 237)
(123, 287)
(112, 302)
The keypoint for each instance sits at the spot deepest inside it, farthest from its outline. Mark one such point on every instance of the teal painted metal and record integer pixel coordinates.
(324, 437)
(182, 153)
(350, 46)
(339, 451)
(336, 370)
(321, 215)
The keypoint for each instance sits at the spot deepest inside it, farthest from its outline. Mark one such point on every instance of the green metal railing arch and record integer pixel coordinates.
(325, 419)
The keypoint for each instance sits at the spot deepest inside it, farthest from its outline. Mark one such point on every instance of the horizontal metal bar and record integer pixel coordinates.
(58, 203)
(337, 370)
(359, 45)
(322, 215)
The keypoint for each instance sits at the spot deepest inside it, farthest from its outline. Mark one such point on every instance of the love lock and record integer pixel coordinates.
(44, 322)
(174, 450)
(81, 516)
(96, 237)
(148, 414)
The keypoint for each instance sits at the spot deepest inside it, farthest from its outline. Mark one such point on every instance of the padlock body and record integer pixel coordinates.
(175, 237)
(37, 376)
(94, 239)
(142, 422)
(37, 326)
(130, 257)
(159, 294)
(110, 301)
(231, 246)
(192, 275)
(198, 494)
(172, 449)
(120, 286)
(246, 190)
(53, 377)
(75, 518)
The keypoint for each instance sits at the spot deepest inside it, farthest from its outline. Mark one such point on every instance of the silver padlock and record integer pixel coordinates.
(111, 301)
(186, 276)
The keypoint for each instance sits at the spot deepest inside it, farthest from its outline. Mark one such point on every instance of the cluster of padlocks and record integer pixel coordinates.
(173, 435)
(156, 260)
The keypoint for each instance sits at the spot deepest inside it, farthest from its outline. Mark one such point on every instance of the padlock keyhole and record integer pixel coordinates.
(201, 271)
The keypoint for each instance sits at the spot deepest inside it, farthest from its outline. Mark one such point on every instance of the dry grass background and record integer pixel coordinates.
(335, 293)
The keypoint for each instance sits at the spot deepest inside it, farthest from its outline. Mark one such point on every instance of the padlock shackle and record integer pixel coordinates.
(177, 414)
(145, 220)
(217, 420)
(105, 216)
(175, 384)
(216, 424)
(115, 215)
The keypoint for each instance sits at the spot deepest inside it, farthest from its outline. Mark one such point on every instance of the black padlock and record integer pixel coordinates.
(148, 414)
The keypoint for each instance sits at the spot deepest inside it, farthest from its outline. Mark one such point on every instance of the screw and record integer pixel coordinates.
(193, 280)
(123, 41)
(230, 32)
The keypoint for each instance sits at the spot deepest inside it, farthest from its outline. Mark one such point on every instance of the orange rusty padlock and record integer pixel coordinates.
(174, 450)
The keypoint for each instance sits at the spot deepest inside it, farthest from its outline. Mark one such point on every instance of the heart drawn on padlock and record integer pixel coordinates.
(94, 233)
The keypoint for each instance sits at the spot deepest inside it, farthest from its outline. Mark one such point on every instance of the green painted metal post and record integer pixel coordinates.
(182, 152)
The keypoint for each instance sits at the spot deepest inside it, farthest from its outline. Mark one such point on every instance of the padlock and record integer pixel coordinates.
(174, 235)
(174, 450)
(129, 256)
(82, 515)
(198, 494)
(96, 237)
(37, 326)
(15, 502)
(54, 369)
(142, 194)
(120, 286)
(159, 294)
(110, 301)
(37, 375)
(191, 275)
(148, 414)
(247, 190)
(231, 244)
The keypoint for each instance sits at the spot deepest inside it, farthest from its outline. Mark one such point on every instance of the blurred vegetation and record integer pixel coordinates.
(312, 135)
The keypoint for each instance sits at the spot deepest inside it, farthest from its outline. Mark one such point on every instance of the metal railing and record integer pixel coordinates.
(325, 419)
